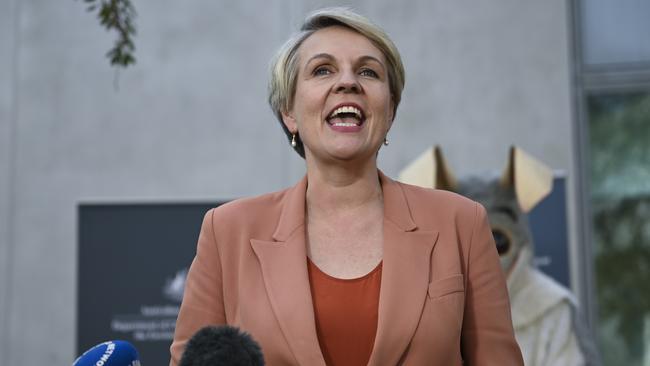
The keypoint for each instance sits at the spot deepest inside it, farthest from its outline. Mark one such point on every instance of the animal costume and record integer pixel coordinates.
(544, 313)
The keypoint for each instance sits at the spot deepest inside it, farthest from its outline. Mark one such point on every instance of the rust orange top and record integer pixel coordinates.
(346, 315)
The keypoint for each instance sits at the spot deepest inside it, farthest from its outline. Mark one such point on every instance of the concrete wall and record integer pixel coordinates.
(7, 123)
(190, 120)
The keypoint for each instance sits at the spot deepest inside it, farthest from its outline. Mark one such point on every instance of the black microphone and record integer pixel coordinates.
(111, 353)
(222, 346)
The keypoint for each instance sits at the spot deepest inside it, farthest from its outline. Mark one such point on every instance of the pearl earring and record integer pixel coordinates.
(293, 140)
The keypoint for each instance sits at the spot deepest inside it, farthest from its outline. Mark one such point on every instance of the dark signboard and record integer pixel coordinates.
(548, 224)
(132, 262)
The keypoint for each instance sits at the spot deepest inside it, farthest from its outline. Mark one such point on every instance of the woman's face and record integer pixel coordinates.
(342, 108)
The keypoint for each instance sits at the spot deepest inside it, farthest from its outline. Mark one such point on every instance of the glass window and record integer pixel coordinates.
(615, 31)
(619, 139)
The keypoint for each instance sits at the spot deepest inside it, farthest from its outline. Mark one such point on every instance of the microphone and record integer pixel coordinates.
(222, 346)
(111, 353)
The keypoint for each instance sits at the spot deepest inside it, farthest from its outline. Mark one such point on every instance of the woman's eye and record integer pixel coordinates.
(321, 71)
(368, 72)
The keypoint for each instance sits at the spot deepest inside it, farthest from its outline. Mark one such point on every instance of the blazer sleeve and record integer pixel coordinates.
(202, 300)
(487, 337)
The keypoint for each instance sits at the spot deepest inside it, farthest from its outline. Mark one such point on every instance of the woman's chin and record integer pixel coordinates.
(351, 153)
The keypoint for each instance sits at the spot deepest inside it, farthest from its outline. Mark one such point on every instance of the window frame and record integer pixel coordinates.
(589, 80)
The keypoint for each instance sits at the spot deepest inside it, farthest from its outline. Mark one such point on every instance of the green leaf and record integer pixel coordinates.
(117, 16)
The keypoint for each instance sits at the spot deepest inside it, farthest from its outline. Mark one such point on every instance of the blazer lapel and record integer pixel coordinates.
(405, 276)
(284, 267)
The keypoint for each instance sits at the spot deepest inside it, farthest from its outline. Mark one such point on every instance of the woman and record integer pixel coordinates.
(349, 267)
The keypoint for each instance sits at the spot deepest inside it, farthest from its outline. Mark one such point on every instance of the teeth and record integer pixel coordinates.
(346, 109)
(344, 124)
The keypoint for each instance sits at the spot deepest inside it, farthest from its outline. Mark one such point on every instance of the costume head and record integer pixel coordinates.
(507, 198)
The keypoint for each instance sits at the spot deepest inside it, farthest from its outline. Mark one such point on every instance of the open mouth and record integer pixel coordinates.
(346, 115)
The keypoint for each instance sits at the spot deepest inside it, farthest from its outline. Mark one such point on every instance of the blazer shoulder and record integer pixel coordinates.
(438, 200)
(250, 209)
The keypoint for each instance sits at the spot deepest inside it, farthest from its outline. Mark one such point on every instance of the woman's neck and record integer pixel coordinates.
(337, 187)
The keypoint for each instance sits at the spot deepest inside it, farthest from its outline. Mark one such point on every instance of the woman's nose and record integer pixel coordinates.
(347, 83)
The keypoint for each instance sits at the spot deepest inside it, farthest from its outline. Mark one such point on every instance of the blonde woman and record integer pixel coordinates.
(349, 267)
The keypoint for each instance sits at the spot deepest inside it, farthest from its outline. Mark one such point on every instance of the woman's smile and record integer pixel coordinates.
(346, 117)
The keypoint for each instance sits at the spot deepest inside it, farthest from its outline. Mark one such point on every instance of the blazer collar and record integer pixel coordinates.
(284, 267)
(293, 211)
(396, 207)
(405, 276)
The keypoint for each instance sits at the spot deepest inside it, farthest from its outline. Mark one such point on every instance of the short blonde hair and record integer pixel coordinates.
(284, 66)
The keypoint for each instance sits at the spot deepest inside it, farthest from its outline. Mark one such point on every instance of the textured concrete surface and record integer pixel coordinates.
(190, 119)
(7, 119)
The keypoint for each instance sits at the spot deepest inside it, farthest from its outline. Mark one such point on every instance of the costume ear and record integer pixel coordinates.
(429, 170)
(530, 178)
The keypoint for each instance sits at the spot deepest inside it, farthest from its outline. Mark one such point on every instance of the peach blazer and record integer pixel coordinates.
(443, 298)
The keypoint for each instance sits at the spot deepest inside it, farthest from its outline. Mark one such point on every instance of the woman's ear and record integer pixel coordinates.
(289, 121)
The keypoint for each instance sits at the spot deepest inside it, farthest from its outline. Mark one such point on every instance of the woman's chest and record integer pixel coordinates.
(343, 252)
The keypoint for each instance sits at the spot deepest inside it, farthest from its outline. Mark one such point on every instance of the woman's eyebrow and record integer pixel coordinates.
(371, 58)
(319, 56)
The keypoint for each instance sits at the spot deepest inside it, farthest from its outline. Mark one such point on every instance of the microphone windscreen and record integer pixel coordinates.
(111, 353)
(223, 346)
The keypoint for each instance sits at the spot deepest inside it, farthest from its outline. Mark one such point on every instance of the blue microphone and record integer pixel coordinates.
(111, 353)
